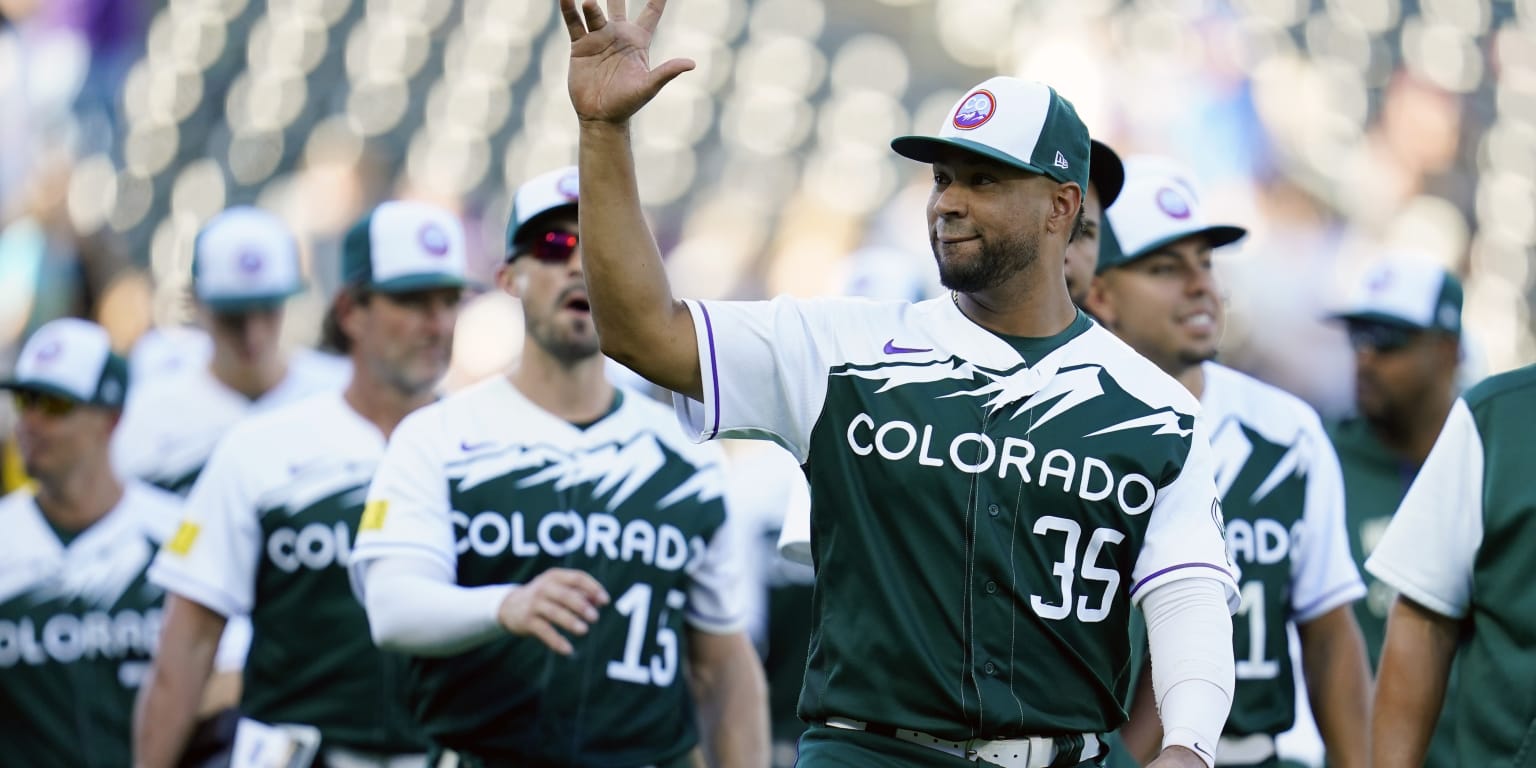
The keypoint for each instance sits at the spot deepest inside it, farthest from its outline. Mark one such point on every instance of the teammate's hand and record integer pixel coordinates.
(1177, 757)
(557, 599)
(611, 76)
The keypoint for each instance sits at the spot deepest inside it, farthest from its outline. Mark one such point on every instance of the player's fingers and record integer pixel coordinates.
(562, 617)
(572, 18)
(616, 11)
(584, 583)
(666, 72)
(593, 15)
(547, 634)
(651, 14)
(573, 600)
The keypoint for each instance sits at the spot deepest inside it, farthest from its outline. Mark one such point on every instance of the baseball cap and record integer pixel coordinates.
(555, 190)
(1406, 293)
(73, 359)
(1020, 123)
(1105, 171)
(245, 258)
(403, 246)
(1161, 203)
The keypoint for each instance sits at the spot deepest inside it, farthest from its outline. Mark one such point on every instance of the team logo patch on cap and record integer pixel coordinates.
(977, 109)
(49, 351)
(1172, 203)
(1379, 282)
(250, 261)
(569, 187)
(433, 239)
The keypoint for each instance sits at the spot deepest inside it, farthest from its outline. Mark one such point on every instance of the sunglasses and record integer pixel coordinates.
(554, 248)
(1381, 337)
(50, 405)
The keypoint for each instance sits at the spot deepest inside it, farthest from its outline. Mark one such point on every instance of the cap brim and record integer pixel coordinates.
(1216, 237)
(45, 387)
(426, 282)
(519, 235)
(1373, 316)
(238, 305)
(926, 149)
(1105, 172)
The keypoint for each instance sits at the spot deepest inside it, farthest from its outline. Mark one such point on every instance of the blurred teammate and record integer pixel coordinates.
(1459, 551)
(78, 620)
(269, 524)
(1278, 478)
(1106, 175)
(556, 557)
(951, 614)
(1404, 323)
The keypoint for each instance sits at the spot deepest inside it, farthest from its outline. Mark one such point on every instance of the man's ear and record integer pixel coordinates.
(1099, 301)
(349, 315)
(1065, 204)
(511, 280)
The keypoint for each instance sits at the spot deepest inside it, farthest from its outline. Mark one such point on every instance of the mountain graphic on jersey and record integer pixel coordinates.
(635, 515)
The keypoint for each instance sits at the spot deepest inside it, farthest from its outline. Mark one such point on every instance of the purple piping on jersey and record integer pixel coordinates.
(1330, 595)
(1170, 568)
(714, 369)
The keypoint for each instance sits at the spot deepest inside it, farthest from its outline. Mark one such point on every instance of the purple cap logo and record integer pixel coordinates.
(1172, 203)
(567, 186)
(977, 109)
(49, 351)
(433, 239)
(1379, 281)
(250, 261)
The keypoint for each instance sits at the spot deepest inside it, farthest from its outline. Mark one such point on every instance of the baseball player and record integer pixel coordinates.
(1459, 551)
(1404, 323)
(269, 524)
(1106, 175)
(78, 620)
(1278, 477)
(555, 556)
(995, 480)
(245, 265)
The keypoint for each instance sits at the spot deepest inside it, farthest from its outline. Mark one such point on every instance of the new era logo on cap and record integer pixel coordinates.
(72, 358)
(1060, 161)
(245, 257)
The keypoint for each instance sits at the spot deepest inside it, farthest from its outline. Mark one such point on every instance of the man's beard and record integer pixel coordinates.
(566, 347)
(999, 262)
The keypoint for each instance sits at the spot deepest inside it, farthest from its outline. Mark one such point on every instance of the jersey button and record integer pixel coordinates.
(989, 668)
(991, 587)
(993, 509)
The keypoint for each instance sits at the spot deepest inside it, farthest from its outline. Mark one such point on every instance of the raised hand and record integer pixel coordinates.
(557, 599)
(611, 76)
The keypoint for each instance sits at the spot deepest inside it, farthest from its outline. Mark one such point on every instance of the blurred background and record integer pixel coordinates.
(1338, 131)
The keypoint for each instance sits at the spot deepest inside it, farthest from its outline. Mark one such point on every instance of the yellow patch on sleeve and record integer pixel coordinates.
(181, 543)
(373, 515)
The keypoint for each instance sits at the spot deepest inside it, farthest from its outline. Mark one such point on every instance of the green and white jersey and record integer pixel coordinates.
(78, 627)
(985, 510)
(492, 488)
(1461, 545)
(267, 532)
(169, 427)
(1283, 498)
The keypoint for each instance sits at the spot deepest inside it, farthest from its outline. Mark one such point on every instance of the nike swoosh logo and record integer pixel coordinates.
(468, 447)
(892, 349)
(1202, 751)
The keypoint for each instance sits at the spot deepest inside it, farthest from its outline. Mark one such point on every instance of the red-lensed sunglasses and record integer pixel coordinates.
(554, 248)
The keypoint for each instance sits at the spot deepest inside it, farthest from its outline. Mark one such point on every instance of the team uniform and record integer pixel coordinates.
(171, 425)
(1460, 545)
(1283, 498)
(494, 489)
(78, 628)
(985, 509)
(267, 533)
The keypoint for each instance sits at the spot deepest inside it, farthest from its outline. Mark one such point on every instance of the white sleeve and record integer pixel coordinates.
(415, 607)
(1323, 573)
(795, 535)
(1189, 635)
(213, 556)
(1184, 535)
(407, 513)
(1429, 548)
(719, 599)
(764, 367)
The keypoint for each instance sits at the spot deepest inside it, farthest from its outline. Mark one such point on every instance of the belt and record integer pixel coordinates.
(346, 757)
(1029, 752)
(1245, 750)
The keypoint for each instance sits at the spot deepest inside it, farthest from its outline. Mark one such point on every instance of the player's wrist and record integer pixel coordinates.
(1191, 748)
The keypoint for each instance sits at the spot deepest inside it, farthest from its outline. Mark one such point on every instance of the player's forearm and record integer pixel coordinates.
(1189, 634)
(732, 695)
(1410, 685)
(413, 609)
(1142, 734)
(166, 711)
(1338, 683)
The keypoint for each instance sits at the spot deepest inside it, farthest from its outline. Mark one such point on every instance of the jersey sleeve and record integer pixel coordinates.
(764, 368)
(1429, 548)
(407, 513)
(1323, 573)
(213, 556)
(1184, 535)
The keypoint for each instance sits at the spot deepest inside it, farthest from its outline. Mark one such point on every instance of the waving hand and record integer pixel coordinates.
(611, 76)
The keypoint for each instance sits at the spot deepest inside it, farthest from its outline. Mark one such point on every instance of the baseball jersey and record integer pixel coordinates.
(78, 627)
(985, 509)
(1283, 498)
(267, 533)
(496, 490)
(1461, 545)
(171, 425)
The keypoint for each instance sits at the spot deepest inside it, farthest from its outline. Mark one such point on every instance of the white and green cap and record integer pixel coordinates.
(1412, 293)
(404, 246)
(1021, 123)
(73, 359)
(245, 258)
(1161, 203)
(551, 191)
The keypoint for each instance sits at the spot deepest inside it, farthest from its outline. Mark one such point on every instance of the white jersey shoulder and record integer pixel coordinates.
(1138, 376)
(1278, 415)
(297, 453)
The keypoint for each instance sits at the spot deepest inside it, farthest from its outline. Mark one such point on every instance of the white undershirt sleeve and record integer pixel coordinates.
(1189, 632)
(415, 608)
